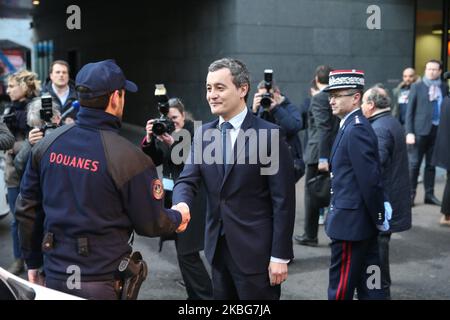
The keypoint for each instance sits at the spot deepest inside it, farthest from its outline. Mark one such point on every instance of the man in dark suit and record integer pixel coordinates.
(322, 129)
(394, 169)
(251, 202)
(357, 200)
(422, 120)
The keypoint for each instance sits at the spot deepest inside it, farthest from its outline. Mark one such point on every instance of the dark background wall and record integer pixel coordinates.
(173, 42)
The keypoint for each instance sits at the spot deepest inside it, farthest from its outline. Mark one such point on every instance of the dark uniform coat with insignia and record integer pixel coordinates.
(357, 200)
(95, 188)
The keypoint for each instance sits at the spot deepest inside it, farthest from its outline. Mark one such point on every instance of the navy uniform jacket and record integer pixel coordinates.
(94, 184)
(357, 199)
(257, 211)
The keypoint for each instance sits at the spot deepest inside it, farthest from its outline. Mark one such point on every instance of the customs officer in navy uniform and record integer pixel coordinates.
(357, 210)
(86, 189)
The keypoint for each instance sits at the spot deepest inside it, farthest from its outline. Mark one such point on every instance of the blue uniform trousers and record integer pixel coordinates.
(355, 265)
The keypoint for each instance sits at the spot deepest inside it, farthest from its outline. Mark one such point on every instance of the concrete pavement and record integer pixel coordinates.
(420, 259)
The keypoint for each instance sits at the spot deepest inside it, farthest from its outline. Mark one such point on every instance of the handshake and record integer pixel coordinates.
(183, 208)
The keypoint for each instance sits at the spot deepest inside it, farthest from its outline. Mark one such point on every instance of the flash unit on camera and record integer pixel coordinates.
(160, 90)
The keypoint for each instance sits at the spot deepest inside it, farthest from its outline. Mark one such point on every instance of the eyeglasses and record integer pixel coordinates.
(335, 96)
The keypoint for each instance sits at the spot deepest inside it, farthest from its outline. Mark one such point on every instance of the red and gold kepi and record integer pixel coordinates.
(345, 79)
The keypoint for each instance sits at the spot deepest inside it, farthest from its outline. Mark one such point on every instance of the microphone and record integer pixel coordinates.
(75, 106)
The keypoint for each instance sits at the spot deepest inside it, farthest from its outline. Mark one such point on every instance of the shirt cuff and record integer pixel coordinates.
(323, 160)
(278, 260)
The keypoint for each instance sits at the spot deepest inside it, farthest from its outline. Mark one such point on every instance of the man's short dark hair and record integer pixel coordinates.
(380, 100)
(262, 85)
(100, 102)
(62, 62)
(435, 61)
(238, 70)
(323, 74)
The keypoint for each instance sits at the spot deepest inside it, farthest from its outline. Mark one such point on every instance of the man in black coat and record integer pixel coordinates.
(394, 169)
(322, 129)
(441, 157)
(422, 121)
(61, 89)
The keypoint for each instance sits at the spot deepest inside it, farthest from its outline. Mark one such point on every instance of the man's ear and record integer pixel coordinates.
(244, 90)
(115, 98)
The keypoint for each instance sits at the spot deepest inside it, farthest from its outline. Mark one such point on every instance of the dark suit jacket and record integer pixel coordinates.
(322, 129)
(420, 110)
(394, 168)
(357, 199)
(257, 211)
(441, 157)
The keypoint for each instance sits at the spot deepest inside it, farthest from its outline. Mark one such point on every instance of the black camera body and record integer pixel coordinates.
(163, 124)
(266, 99)
(10, 118)
(46, 114)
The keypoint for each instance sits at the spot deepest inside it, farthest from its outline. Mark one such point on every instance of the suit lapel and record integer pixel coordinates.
(238, 148)
(336, 142)
(212, 126)
(341, 132)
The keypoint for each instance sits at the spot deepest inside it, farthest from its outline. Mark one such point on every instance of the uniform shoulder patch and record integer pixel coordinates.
(157, 189)
(357, 120)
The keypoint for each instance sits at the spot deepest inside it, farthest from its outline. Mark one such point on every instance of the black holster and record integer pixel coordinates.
(132, 272)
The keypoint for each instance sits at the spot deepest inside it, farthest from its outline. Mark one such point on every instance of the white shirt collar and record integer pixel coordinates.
(62, 97)
(345, 118)
(237, 120)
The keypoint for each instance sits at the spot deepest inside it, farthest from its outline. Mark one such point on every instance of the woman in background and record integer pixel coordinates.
(23, 86)
(190, 242)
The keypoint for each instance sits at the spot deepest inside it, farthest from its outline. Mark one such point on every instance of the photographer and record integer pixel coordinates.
(6, 138)
(22, 87)
(35, 121)
(285, 114)
(191, 242)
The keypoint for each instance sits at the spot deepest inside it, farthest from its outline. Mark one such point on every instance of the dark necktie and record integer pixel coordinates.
(226, 142)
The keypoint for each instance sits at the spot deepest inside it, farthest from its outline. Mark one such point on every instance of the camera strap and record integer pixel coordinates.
(41, 147)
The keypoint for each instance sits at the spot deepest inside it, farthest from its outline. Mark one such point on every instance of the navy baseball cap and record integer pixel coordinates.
(100, 78)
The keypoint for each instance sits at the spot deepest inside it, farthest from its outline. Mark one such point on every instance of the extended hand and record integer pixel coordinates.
(256, 102)
(34, 136)
(34, 276)
(278, 273)
(323, 167)
(149, 129)
(183, 208)
(166, 138)
(410, 138)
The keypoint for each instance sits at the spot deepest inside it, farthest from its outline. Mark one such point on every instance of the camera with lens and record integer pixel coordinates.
(266, 99)
(46, 114)
(9, 118)
(163, 124)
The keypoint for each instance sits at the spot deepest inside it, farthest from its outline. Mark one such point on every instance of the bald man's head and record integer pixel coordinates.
(409, 76)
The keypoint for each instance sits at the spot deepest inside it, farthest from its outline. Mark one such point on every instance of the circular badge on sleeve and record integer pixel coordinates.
(157, 189)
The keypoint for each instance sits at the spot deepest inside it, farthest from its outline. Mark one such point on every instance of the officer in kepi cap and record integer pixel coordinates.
(357, 211)
(86, 189)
